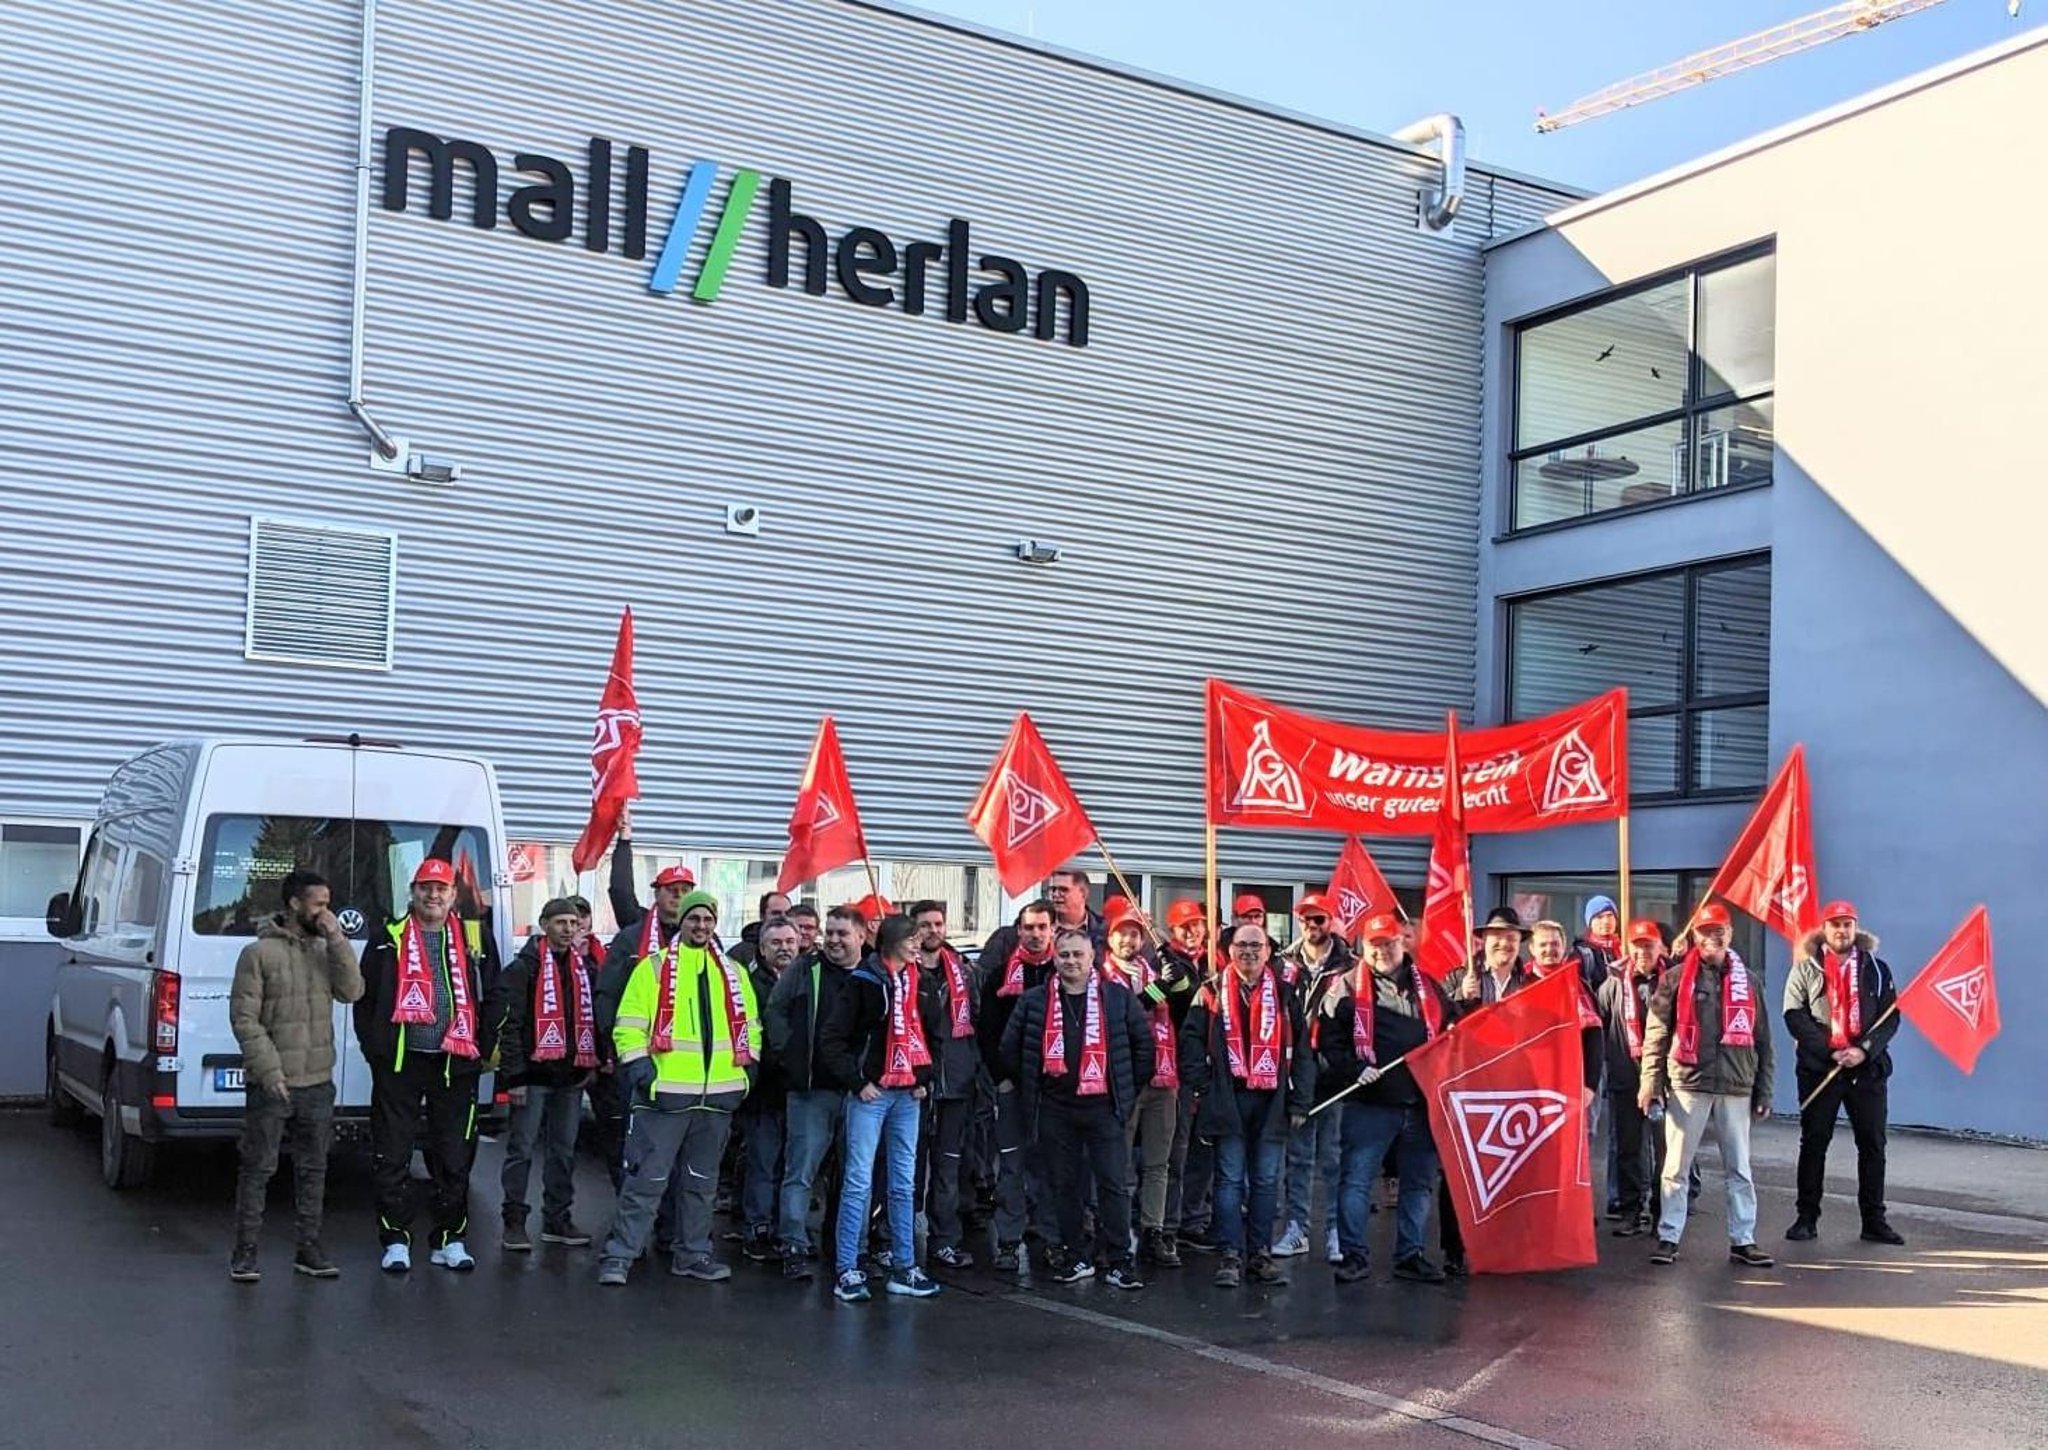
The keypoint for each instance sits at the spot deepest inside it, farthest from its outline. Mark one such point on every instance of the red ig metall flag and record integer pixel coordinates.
(1769, 871)
(1444, 944)
(614, 752)
(824, 825)
(1954, 1000)
(1506, 1095)
(1357, 889)
(1027, 815)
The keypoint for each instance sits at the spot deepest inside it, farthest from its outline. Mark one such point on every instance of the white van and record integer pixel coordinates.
(187, 853)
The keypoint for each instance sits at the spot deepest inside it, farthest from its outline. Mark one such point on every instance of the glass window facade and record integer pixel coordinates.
(1665, 897)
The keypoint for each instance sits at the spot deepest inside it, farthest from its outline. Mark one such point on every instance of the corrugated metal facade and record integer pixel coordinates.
(1265, 464)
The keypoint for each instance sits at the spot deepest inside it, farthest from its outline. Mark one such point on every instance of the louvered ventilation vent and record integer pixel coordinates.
(320, 595)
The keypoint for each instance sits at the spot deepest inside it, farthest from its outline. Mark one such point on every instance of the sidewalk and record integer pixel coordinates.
(1970, 1186)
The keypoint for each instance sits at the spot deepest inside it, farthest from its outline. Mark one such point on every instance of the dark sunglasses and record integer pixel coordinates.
(1317, 920)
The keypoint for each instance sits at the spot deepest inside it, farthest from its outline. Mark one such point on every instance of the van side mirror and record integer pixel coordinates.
(57, 916)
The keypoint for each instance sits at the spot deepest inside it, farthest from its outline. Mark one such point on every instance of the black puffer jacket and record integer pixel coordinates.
(853, 1037)
(1125, 1027)
(1205, 1066)
(511, 1011)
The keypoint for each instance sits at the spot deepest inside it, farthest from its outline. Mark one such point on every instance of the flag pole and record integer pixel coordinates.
(1621, 834)
(1209, 872)
(874, 886)
(1339, 1097)
(1836, 1071)
(1129, 894)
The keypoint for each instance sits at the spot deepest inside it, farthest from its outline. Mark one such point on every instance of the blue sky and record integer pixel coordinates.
(1378, 65)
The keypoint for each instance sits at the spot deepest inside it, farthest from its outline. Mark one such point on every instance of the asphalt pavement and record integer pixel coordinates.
(118, 1325)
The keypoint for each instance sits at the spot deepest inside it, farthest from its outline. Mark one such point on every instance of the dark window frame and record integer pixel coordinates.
(1689, 707)
(1686, 415)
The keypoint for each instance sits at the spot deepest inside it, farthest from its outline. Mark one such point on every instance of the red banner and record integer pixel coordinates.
(1507, 1104)
(1270, 766)
(614, 752)
(1954, 1001)
(824, 825)
(1769, 871)
(1358, 889)
(1027, 814)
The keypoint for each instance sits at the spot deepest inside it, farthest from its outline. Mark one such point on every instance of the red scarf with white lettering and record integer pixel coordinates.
(1139, 977)
(664, 1037)
(550, 1027)
(1632, 1006)
(1260, 1069)
(1363, 992)
(650, 936)
(903, 1047)
(1013, 971)
(959, 998)
(1845, 997)
(1094, 1045)
(1738, 1008)
(415, 1004)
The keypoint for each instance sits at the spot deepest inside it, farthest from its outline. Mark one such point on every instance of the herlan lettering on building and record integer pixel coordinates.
(872, 269)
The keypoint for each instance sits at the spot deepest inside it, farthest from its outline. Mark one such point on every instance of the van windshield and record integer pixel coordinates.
(368, 863)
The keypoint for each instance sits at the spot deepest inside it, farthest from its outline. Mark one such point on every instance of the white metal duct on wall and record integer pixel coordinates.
(320, 595)
(1263, 465)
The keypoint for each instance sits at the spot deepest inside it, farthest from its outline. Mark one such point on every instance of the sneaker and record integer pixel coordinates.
(1122, 1277)
(1291, 1243)
(1007, 1260)
(611, 1273)
(1882, 1233)
(953, 1258)
(851, 1288)
(453, 1255)
(704, 1269)
(1264, 1271)
(1230, 1273)
(912, 1283)
(1614, 1209)
(759, 1247)
(1202, 1241)
(1417, 1269)
(312, 1261)
(1333, 1252)
(1646, 1222)
(1666, 1252)
(1455, 1267)
(1803, 1230)
(1750, 1256)
(1353, 1268)
(397, 1259)
(566, 1234)
(882, 1261)
(1073, 1272)
(1165, 1252)
(517, 1240)
(796, 1266)
(1628, 1228)
(242, 1264)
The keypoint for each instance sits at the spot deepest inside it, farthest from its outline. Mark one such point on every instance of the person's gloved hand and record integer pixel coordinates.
(637, 1077)
(1367, 1076)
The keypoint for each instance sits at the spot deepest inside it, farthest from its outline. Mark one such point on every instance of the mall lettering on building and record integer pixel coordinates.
(872, 268)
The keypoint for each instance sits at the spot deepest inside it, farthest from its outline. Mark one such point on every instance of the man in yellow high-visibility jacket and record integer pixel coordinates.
(688, 1037)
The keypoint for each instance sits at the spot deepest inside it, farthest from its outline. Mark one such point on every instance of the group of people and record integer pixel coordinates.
(1115, 1091)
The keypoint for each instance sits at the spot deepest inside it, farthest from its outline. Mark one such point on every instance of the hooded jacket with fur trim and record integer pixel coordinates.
(1806, 1009)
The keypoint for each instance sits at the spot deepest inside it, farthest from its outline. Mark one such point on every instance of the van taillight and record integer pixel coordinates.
(166, 1012)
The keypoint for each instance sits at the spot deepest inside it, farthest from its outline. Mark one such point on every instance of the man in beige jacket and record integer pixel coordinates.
(282, 1010)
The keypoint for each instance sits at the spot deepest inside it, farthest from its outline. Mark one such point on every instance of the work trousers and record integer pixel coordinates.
(397, 1098)
(1865, 1096)
(685, 1145)
(1021, 1197)
(1154, 1127)
(548, 1119)
(1638, 1158)
(761, 1134)
(1191, 1173)
(1082, 1137)
(305, 1116)
(947, 1169)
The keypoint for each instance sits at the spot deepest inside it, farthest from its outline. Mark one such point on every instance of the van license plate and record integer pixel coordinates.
(227, 1079)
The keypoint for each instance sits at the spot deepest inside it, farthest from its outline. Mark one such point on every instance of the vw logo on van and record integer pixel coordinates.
(351, 920)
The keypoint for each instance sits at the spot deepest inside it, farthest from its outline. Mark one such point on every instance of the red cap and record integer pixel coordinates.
(1312, 904)
(1248, 902)
(675, 876)
(434, 869)
(1384, 927)
(1712, 914)
(1836, 910)
(1121, 911)
(873, 908)
(1181, 913)
(1646, 930)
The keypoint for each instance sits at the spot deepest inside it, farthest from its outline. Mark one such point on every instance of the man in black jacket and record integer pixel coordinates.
(547, 1054)
(950, 1109)
(805, 996)
(1015, 962)
(1244, 1052)
(1624, 1003)
(1838, 1006)
(1310, 964)
(423, 1030)
(760, 1119)
(1389, 1010)
(1078, 1048)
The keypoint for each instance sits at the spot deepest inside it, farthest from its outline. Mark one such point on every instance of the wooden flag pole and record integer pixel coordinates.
(1621, 833)
(1209, 872)
(1151, 927)
(1836, 1072)
(874, 886)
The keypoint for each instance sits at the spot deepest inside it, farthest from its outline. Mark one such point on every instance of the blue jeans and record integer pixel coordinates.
(1312, 1148)
(761, 1170)
(548, 1121)
(810, 1120)
(1370, 1129)
(1258, 1156)
(890, 1122)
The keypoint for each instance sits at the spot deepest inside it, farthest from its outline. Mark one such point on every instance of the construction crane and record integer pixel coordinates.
(1850, 18)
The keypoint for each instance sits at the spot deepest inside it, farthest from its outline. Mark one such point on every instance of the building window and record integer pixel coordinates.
(1693, 648)
(38, 859)
(1665, 897)
(1655, 392)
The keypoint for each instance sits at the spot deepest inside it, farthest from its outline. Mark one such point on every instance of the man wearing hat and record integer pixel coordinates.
(1624, 1002)
(1499, 972)
(689, 1040)
(1707, 1055)
(1838, 1003)
(1184, 966)
(1315, 963)
(1249, 909)
(543, 1007)
(424, 1032)
(1152, 1126)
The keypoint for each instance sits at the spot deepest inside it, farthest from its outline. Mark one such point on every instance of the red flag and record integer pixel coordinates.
(1954, 1000)
(1444, 944)
(614, 752)
(1769, 871)
(1506, 1094)
(1027, 815)
(824, 826)
(1357, 889)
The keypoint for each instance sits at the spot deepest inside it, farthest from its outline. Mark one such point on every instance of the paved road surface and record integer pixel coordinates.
(118, 1325)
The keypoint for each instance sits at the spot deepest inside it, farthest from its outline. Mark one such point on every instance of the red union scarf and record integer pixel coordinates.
(1632, 1008)
(903, 1050)
(1139, 977)
(650, 936)
(550, 1029)
(1845, 997)
(1738, 1008)
(1260, 1071)
(1094, 1046)
(957, 995)
(664, 1037)
(415, 1005)
(1362, 995)
(1013, 971)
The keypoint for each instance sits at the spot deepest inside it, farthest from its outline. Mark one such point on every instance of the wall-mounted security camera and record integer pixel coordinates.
(424, 469)
(1030, 551)
(742, 518)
